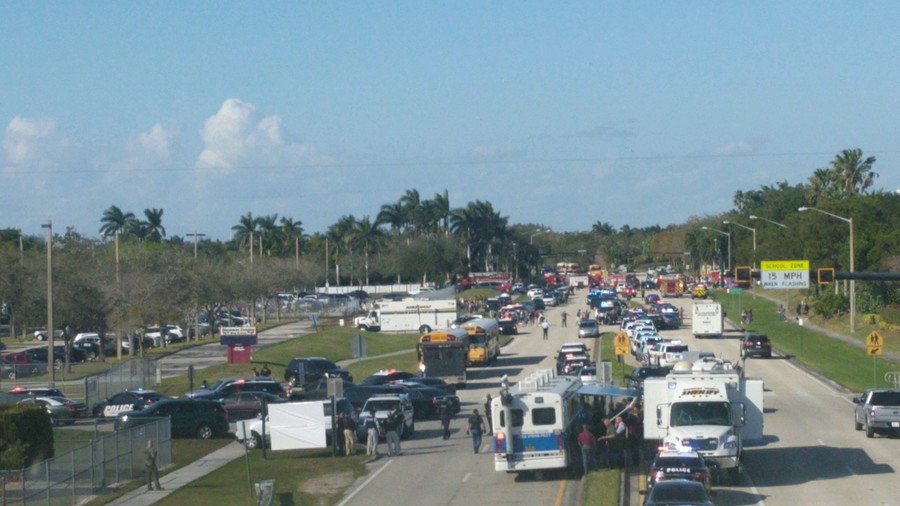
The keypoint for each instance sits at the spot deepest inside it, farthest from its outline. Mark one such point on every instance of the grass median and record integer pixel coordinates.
(843, 363)
(329, 342)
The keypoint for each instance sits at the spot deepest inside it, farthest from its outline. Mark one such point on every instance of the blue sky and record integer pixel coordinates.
(562, 114)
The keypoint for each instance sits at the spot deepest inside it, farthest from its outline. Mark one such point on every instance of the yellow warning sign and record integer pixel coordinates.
(874, 350)
(621, 343)
(874, 339)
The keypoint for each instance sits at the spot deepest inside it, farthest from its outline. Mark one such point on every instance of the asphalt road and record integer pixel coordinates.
(437, 472)
(810, 453)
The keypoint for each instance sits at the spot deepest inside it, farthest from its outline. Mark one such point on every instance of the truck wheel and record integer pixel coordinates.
(870, 432)
(424, 329)
(205, 432)
(252, 442)
(362, 327)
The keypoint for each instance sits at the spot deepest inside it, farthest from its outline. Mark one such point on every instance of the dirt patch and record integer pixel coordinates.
(328, 484)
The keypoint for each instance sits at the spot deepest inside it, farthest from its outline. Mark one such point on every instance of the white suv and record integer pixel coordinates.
(384, 405)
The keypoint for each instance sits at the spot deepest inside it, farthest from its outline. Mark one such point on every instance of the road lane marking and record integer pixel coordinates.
(753, 489)
(821, 443)
(560, 494)
(368, 480)
(466, 477)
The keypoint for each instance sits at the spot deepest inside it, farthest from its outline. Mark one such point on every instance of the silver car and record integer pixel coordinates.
(588, 328)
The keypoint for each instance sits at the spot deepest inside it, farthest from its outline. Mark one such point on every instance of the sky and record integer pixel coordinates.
(564, 114)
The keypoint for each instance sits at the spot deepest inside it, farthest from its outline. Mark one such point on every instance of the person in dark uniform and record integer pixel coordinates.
(150, 455)
(445, 419)
(476, 428)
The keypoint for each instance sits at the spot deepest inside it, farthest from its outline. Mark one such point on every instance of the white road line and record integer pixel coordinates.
(466, 477)
(821, 443)
(368, 480)
(753, 489)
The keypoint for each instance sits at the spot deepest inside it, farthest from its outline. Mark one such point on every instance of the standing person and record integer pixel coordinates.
(445, 419)
(340, 424)
(373, 429)
(586, 441)
(392, 432)
(349, 434)
(476, 428)
(565, 316)
(578, 314)
(150, 465)
(265, 371)
(255, 372)
(487, 414)
(545, 325)
(620, 435)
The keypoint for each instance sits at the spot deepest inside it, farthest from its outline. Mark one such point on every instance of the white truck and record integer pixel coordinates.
(707, 319)
(409, 315)
(711, 412)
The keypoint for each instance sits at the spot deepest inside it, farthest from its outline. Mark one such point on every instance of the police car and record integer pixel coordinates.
(129, 400)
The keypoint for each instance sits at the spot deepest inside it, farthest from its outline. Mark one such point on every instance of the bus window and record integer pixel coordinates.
(518, 417)
(543, 416)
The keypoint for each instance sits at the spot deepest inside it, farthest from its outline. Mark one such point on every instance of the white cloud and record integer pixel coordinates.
(238, 135)
(156, 142)
(32, 142)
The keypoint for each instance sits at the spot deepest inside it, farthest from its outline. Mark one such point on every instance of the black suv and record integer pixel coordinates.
(229, 386)
(314, 369)
(637, 376)
(189, 417)
(756, 345)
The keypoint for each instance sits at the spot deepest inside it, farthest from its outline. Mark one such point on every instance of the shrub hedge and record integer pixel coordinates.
(26, 436)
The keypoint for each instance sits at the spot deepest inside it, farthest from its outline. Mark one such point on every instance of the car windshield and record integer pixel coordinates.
(219, 384)
(380, 405)
(701, 413)
(588, 324)
(885, 399)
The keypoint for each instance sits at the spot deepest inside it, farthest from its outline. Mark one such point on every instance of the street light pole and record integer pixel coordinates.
(782, 225)
(195, 235)
(849, 221)
(728, 235)
(726, 222)
(50, 369)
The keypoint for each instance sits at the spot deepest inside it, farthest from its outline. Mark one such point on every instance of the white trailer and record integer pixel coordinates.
(579, 280)
(711, 412)
(707, 319)
(409, 315)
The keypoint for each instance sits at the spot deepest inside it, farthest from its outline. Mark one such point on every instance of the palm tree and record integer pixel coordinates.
(268, 230)
(392, 215)
(151, 228)
(441, 205)
(369, 234)
(822, 185)
(854, 175)
(412, 208)
(245, 227)
(341, 234)
(115, 221)
(290, 232)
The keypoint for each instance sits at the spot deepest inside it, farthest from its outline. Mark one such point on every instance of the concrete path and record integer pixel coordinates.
(187, 474)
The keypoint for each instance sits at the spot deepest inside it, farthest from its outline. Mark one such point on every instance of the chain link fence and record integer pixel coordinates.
(90, 470)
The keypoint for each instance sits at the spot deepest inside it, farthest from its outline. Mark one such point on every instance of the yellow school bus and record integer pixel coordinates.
(484, 340)
(444, 353)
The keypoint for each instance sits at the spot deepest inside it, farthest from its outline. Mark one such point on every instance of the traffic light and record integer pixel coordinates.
(742, 274)
(825, 275)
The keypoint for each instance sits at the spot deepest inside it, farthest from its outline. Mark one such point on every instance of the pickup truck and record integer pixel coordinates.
(878, 411)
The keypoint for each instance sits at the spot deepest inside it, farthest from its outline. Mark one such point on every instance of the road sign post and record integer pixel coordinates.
(620, 342)
(874, 347)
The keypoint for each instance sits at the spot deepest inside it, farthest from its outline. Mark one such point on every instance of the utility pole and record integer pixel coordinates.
(251, 247)
(50, 369)
(195, 235)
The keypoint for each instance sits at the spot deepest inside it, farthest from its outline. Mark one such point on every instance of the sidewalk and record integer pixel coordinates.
(177, 479)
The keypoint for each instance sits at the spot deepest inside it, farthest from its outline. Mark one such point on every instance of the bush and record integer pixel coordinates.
(829, 304)
(26, 436)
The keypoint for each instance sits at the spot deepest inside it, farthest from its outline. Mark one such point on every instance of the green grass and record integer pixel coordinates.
(66, 439)
(301, 477)
(184, 452)
(602, 487)
(839, 361)
(330, 342)
(477, 292)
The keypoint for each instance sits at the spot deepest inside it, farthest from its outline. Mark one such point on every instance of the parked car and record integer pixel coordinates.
(128, 400)
(36, 391)
(315, 390)
(637, 376)
(314, 368)
(679, 466)
(41, 334)
(756, 345)
(62, 411)
(244, 405)
(432, 382)
(588, 328)
(226, 387)
(383, 405)
(382, 377)
(427, 400)
(20, 365)
(508, 325)
(189, 417)
(59, 355)
(678, 492)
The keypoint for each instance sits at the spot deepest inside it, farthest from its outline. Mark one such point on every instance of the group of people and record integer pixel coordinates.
(615, 440)
(265, 371)
(389, 428)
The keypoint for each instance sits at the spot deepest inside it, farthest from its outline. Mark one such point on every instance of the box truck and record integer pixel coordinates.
(707, 319)
(409, 315)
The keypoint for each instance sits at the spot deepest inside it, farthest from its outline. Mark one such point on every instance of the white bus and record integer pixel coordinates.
(541, 411)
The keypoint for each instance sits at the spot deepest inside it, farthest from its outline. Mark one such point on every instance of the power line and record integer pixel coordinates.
(419, 163)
